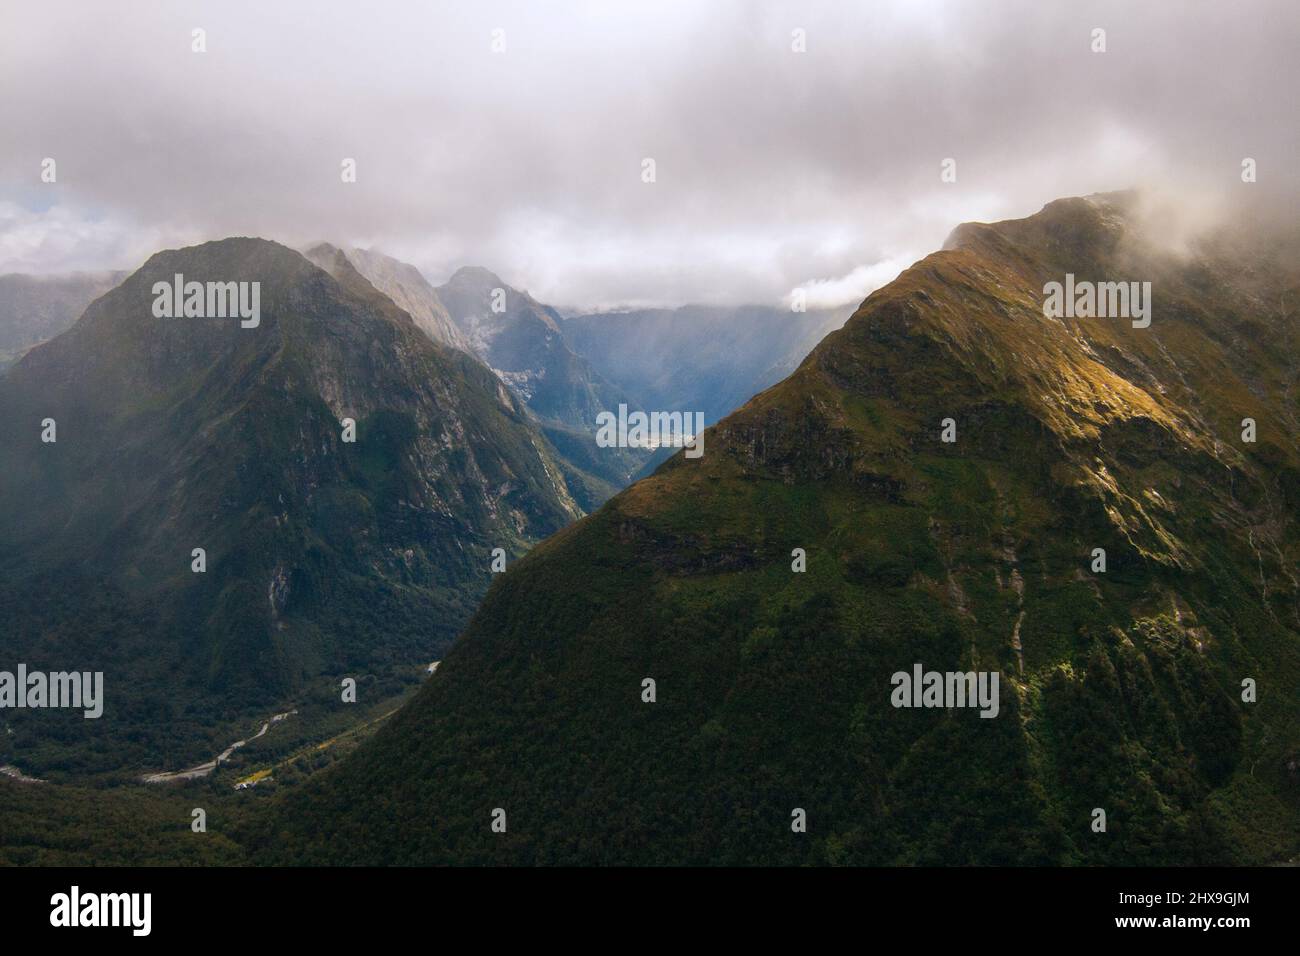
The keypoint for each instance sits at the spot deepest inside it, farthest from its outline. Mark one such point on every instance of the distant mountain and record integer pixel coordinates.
(34, 308)
(323, 556)
(521, 340)
(523, 344)
(710, 359)
(405, 285)
(697, 358)
(1158, 689)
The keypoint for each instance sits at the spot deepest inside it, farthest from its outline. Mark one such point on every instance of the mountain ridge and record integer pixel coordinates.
(1123, 689)
(401, 282)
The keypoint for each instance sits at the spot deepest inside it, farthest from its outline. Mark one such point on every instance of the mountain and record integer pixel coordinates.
(324, 557)
(522, 346)
(710, 359)
(404, 284)
(521, 340)
(1121, 690)
(34, 308)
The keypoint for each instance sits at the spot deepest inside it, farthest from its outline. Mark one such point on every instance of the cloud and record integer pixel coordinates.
(69, 240)
(853, 287)
(773, 167)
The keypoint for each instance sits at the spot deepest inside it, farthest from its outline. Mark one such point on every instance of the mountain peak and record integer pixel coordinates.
(1098, 219)
(476, 277)
(237, 251)
(330, 461)
(400, 281)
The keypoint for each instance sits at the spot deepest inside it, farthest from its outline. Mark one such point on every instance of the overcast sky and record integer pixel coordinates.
(773, 168)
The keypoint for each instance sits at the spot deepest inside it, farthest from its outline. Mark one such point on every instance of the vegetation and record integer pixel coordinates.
(323, 558)
(1120, 690)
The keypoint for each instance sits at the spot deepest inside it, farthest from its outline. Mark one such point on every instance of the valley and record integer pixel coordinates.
(204, 769)
(946, 466)
(510, 442)
(178, 372)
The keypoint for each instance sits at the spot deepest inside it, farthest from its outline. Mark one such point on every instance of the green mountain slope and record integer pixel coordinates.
(1119, 690)
(323, 557)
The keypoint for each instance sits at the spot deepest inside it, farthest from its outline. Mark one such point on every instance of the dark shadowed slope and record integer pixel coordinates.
(322, 556)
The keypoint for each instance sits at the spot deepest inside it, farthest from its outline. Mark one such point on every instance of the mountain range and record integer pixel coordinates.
(183, 433)
(1102, 514)
(520, 341)
(697, 358)
(1099, 511)
(710, 359)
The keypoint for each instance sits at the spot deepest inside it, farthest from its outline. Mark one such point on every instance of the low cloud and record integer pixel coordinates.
(64, 239)
(851, 288)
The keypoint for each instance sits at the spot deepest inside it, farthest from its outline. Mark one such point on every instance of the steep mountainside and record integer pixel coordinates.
(323, 556)
(1120, 690)
(35, 308)
(520, 339)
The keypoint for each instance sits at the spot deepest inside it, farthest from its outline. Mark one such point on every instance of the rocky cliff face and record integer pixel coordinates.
(401, 282)
(520, 338)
